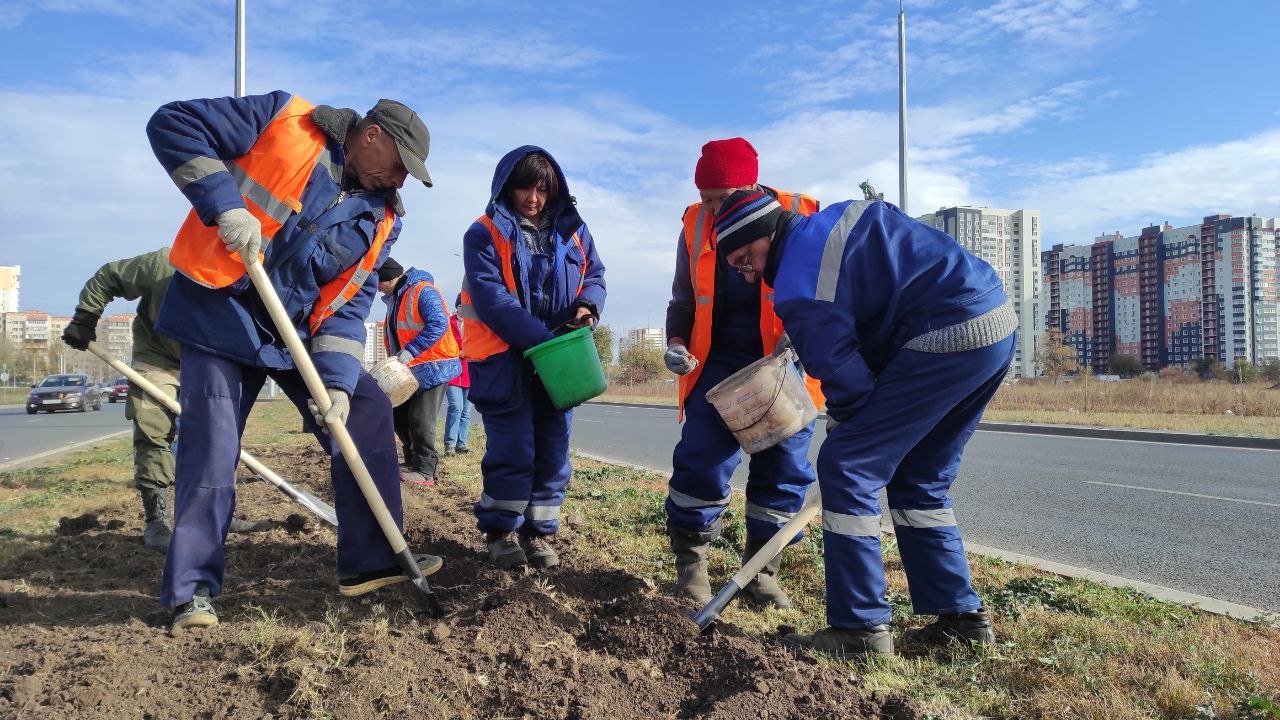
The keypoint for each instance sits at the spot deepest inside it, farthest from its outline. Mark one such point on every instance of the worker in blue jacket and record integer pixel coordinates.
(311, 193)
(532, 272)
(418, 335)
(911, 336)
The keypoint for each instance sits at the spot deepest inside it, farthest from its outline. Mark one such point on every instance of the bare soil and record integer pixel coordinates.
(83, 635)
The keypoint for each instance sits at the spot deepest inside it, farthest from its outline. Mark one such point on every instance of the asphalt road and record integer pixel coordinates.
(23, 436)
(1202, 520)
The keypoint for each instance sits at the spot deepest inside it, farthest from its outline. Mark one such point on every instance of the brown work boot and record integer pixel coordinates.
(764, 590)
(971, 627)
(691, 551)
(844, 643)
(540, 551)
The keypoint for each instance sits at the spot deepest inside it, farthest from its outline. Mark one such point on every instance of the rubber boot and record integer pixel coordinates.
(155, 513)
(764, 589)
(691, 550)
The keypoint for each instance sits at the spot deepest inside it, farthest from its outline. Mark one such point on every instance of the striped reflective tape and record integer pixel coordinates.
(197, 168)
(691, 502)
(833, 251)
(941, 517)
(769, 515)
(516, 506)
(851, 525)
(542, 512)
(333, 343)
(273, 206)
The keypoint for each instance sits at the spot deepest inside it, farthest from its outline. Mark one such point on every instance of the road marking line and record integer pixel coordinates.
(1188, 494)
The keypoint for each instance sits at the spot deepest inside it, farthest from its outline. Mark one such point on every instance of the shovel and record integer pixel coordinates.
(317, 506)
(338, 431)
(706, 617)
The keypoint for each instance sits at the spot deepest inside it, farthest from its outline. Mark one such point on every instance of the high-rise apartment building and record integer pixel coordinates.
(10, 277)
(653, 338)
(1169, 296)
(1009, 240)
(375, 347)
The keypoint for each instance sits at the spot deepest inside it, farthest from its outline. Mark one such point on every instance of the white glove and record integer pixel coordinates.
(404, 357)
(679, 360)
(242, 233)
(339, 408)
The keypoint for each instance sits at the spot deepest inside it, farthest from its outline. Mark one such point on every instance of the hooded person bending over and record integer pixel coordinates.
(531, 272)
(911, 336)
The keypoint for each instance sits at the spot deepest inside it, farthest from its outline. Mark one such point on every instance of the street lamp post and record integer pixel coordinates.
(902, 108)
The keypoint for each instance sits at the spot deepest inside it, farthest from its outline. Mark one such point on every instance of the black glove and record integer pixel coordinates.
(82, 330)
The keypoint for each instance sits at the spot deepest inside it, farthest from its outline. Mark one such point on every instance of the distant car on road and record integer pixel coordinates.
(64, 392)
(119, 390)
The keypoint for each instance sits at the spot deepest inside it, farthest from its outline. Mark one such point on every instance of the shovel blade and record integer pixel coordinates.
(318, 507)
(419, 582)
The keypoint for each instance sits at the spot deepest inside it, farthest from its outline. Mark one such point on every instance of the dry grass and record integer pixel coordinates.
(1069, 648)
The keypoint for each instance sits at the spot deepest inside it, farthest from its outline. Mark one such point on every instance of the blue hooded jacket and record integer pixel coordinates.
(501, 382)
(435, 320)
(332, 233)
(849, 313)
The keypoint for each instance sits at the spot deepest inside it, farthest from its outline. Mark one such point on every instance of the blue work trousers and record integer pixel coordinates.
(907, 439)
(216, 399)
(525, 467)
(457, 420)
(707, 456)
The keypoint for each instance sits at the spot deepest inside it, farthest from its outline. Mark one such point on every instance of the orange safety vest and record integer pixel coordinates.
(480, 341)
(272, 177)
(409, 323)
(700, 243)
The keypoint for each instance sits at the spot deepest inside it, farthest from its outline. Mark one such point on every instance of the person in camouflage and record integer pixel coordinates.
(145, 278)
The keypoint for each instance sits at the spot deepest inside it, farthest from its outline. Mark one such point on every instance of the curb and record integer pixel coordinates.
(1159, 592)
(1079, 431)
(13, 464)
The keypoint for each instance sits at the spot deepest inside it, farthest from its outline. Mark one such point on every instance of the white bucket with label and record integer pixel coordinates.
(764, 403)
(395, 379)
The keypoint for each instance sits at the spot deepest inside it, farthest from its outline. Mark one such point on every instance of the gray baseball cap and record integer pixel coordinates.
(410, 133)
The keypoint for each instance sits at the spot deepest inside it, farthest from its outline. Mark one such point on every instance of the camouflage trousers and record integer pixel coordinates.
(154, 428)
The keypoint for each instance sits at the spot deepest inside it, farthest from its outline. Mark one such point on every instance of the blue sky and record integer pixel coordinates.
(1104, 114)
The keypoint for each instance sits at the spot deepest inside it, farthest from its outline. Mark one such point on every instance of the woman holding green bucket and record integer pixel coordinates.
(532, 273)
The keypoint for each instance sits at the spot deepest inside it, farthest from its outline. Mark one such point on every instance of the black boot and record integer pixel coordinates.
(844, 643)
(764, 589)
(155, 513)
(974, 627)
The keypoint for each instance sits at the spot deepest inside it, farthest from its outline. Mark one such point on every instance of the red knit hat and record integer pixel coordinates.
(727, 164)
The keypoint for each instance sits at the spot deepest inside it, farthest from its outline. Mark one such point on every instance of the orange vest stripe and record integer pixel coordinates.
(699, 238)
(480, 342)
(339, 291)
(272, 177)
(409, 323)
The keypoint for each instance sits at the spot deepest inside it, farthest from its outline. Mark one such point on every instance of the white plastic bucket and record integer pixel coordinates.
(764, 403)
(395, 379)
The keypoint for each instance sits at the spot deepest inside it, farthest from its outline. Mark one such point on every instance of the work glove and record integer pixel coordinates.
(679, 360)
(242, 233)
(339, 408)
(404, 357)
(82, 330)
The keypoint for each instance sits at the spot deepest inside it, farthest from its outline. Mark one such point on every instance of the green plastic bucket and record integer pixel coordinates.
(569, 368)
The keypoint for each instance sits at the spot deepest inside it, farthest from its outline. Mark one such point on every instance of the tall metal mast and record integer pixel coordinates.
(239, 48)
(902, 108)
